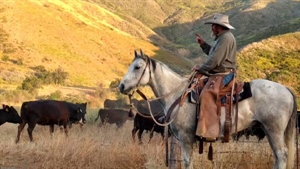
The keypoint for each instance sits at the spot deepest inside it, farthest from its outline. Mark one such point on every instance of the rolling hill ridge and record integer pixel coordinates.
(79, 36)
(94, 40)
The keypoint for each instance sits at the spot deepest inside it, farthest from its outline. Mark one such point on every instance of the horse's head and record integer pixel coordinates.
(138, 74)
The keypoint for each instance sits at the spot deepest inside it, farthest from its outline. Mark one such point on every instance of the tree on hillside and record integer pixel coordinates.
(59, 76)
(42, 76)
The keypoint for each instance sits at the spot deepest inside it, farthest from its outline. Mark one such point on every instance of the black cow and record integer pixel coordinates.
(50, 112)
(256, 129)
(143, 123)
(112, 104)
(9, 114)
(117, 116)
(74, 121)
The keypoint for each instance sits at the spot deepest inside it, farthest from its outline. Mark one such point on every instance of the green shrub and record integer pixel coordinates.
(5, 58)
(42, 76)
(30, 84)
(55, 95)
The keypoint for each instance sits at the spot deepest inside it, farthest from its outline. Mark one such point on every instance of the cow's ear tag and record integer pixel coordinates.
(6, 109)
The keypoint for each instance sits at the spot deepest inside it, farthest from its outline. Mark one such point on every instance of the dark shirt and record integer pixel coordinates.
(221, 55)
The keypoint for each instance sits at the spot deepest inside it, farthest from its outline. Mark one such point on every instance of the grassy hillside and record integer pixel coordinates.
(93, 40)
(178, 20)
(84, 39)
(276, 59)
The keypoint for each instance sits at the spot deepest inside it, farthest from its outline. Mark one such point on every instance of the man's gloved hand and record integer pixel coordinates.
(196, 68)
(199, 70)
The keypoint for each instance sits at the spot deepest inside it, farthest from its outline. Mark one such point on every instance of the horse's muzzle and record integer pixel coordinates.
(121, 88)
(126, 91)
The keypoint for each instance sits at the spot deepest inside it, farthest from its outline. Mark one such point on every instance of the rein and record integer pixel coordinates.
(148, 103)
(141, 114)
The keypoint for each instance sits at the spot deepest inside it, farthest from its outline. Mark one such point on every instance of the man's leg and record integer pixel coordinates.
(209, 122)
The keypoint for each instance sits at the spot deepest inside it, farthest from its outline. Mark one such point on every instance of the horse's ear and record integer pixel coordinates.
(142, 53)
(135, 54)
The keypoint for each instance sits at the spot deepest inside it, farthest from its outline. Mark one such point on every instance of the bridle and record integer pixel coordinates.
(148, 61)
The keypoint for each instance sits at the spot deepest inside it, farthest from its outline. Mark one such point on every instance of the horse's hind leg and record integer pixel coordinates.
(282, 141)
(277, 143)
(290, 137)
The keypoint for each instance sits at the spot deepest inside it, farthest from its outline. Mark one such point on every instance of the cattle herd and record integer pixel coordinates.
(63, 113)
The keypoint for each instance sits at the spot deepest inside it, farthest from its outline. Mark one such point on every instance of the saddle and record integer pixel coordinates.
(231, 94)
(226, 97)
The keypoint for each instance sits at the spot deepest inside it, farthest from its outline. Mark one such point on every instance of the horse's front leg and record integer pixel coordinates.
(186, 144)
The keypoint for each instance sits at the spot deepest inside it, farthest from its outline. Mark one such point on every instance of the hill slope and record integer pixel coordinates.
(94, 40)
(84, 39)
(178, 20)
(276, 58)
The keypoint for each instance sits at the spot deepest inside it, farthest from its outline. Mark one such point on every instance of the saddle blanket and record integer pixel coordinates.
(244, 94)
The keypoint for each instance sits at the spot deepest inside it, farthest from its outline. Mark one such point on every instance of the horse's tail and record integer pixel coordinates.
(290, 135)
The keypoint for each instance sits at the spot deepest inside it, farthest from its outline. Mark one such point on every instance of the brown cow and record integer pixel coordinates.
(9, 114)
(50, 112)
(117, 116)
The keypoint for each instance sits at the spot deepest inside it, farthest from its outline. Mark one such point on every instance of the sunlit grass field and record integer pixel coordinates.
(107, 147)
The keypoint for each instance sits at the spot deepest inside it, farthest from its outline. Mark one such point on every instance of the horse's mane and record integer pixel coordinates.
(154, 63)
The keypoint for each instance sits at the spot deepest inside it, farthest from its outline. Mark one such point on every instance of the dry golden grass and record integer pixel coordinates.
(84, 39)
(110, 148)
(91, 147)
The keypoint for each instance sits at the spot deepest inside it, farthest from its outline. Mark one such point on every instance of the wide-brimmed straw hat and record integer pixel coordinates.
(220, 19)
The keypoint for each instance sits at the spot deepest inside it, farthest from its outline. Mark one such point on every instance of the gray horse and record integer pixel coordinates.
(272, 104)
